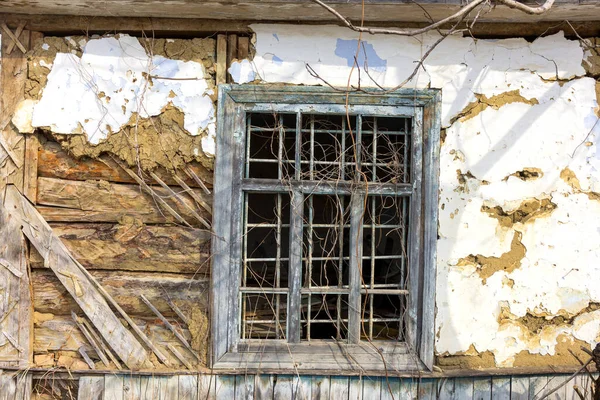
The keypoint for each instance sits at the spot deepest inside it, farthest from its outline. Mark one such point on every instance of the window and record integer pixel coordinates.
(325, 218)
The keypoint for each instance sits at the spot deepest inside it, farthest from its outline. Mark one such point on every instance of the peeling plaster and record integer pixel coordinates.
(97, 93)
(515, 114)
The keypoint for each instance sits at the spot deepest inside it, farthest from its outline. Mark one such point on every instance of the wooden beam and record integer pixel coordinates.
(291, 10)
(221, 66)
(131, 246)
(54, 162)
(16, 317)
(91, 301)
(12, 82)
(105, 202)
(187, 291)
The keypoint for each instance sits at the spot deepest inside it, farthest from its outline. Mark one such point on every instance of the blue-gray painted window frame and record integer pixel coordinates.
(424, 107)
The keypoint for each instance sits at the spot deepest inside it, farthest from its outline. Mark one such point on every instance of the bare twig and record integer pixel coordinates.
(406, 32)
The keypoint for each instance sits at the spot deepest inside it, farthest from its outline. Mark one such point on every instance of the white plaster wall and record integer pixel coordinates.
(558, 275)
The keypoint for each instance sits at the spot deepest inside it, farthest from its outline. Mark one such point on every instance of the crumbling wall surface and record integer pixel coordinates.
(125, 96)
(519, 237)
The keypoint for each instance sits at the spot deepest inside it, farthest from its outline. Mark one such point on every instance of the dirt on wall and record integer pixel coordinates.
(147, 143)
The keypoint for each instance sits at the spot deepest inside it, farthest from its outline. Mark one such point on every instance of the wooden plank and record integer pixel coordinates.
(357, 209)
(169, 387)
(285, 387)
(537, 385)
(243, 47)
(222, 302)
(206, 387)
(390, 388)
(31, 167)
(244, 387)
(105, 202)
(409, 388)
(263, 387)
(303, 388)
(24, 387)
(482, 388)
(555, 381)
(427, 389)
(16, 315)
(91, 301)
(255, 10)
(113, 387)
(13, 77)
(149, 388)
(54, 162)
(463, 388)
(446, 388)
(355, 388)
(188, 387)
(225, 386)
(231, 52)
(8, 387)
(132, 246)
(500, 388)
(166, 322)
(320, 388)
(339, 387)
(432, 117)
(50, 296)
(131, 387)
(371, 387)
(519, 388)
(221, 67)
(60, 334)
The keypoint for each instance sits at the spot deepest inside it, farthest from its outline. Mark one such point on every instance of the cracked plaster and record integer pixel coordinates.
(541, 119)
(97, 93)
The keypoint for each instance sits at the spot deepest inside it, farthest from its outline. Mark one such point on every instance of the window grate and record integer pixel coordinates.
(343, 268)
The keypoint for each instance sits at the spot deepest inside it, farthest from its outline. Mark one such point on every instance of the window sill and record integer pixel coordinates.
(324, 356)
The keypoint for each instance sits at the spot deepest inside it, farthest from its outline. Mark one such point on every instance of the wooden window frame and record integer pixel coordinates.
(231, 352)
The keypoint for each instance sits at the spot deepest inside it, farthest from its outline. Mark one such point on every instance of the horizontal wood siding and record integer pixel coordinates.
(244, 387)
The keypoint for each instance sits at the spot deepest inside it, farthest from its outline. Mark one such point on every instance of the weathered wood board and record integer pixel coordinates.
(15, 302)
(187, 292)
(100, 201)
(83, 290)
(54, 162)
(132, 246)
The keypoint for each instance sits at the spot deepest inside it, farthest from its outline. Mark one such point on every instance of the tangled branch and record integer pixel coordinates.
(435, 25)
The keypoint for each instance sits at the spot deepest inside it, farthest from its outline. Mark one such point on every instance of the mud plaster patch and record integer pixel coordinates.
(569, 177)
(495, 102)
(40, 59)
(527, 211)
(527, 174)
(147, 142)
(562, 355)
(591, 63)
(488, 266)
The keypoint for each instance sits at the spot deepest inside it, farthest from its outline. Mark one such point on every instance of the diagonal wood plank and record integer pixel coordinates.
(77, 283)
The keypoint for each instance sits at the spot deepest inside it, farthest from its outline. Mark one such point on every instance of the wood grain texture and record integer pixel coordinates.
(15, 302)
(88, 297)
(134, 247)
(187, 291)
(91, 388)
(12, 79)
(54, 162)
(31, 165)
(287, 10)
(99, 201)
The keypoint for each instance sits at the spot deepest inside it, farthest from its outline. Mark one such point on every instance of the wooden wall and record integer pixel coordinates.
(129, 243)
(328, 387)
